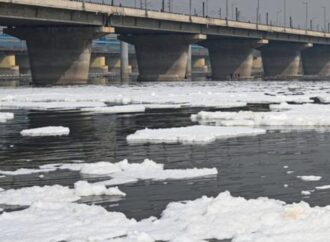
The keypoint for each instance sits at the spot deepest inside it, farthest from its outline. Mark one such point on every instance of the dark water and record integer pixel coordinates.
(250, 167)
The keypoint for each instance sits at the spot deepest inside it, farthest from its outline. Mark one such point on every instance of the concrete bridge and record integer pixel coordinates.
(59, 35)
(105, 58)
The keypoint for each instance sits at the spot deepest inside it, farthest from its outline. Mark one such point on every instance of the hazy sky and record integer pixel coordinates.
(295, 8)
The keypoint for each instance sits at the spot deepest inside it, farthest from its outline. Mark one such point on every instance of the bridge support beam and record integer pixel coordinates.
(98, 65)
(124, 62)
(113, 62)
(22, 60)
(316, 61)
(8, 65)
(199, 64)
(162, 57)
(59, 55)
(232, 58)
(282, 59)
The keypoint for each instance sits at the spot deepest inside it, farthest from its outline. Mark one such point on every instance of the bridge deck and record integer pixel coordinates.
(131, 20)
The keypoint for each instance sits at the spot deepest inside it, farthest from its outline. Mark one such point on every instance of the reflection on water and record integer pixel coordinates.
(248, 166)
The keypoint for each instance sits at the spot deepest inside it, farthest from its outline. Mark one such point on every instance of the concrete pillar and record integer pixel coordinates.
(316, 61)
(199, 64)
(232, 58)
(133, 63)
(97, 65)
(281, 59)
(124, 68)
(22, 60)
(189, 64)
(162, 57)
(113, 62)
(8, 65)
(59, 55)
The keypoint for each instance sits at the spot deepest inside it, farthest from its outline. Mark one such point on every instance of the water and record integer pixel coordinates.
(250, 166)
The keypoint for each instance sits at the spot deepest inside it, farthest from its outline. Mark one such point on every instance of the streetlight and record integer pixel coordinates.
(277, 16)
(227, 10)
(207, 8)
(190, 6)
(284, 14)
(258, 10)
(232, 9)
(306, 23)
(311, 23)
(325, 18)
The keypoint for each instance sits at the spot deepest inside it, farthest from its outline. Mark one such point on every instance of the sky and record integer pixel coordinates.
(295, 8)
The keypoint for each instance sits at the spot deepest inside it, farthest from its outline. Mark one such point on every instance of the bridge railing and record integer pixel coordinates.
(168, 6)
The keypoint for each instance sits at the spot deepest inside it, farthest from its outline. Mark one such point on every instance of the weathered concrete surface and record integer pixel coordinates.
(22, 60)
(316, 61)
(125, 71)
(98, 64)
(232, 58)
(199, 64)
(8, 65)
(129, 20)
(162, 57)
(59, 55)
(282, 60)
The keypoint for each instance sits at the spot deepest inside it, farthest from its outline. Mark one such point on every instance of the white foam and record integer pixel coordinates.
(310, 178)
(162, 106)
(25, 171)
(46, 131)
(304, 115)
(325, 187)
(191, 134)
(117, 109)
(235, 218)
(83, 188)
(307, 193)
(49, 105)
(197, 94)
(123, 172)
(29, 195)
(4, 117)
(56, 193)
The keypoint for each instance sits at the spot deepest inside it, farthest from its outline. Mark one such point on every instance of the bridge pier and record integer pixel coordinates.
(113, 62)
(316, 61)
(22, 60)
(282, 60)
(97, 65)
(162, 57)
(8, 65)
(124, 62)
(232, 58)
(59, 55)
(199, 64)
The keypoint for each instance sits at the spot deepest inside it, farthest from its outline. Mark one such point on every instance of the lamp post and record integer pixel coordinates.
(233, 5)
(258, 10)
(325, 18)
(306, 21)
(284, 13)
(277, 17)
(207, 8)
(190, 7)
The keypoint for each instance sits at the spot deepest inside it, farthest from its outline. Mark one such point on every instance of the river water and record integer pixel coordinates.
(251, 167)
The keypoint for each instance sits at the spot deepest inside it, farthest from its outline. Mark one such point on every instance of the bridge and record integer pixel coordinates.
(59, 36)
(105, 59)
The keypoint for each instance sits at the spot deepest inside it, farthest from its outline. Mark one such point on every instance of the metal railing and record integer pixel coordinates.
(202, 11)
